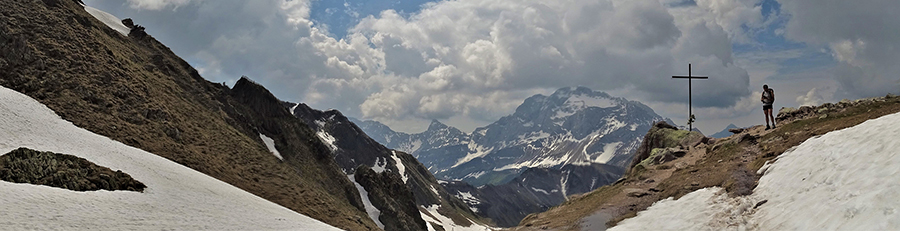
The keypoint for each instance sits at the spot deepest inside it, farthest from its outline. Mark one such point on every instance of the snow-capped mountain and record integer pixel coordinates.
(573, 126)
(575, 133)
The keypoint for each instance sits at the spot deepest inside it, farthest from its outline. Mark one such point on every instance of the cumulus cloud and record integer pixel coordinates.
(862, 36)
(471, 58)
(812, 98)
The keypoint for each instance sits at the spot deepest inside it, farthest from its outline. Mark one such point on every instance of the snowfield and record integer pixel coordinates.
(176, 197)
(844, 180)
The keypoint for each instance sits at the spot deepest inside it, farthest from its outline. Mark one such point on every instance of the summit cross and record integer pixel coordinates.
(690, 77)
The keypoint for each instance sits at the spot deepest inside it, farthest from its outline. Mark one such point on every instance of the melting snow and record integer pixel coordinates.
(480, 151)
(400, 166)
(609, 151)
(474, 175)
(373, 212)
(110, 20)
(431, 215)
(846, 179)
(294, 108)
(380, 164)
(270, 143)
(327, 139)
(176, 198)
(540, 190)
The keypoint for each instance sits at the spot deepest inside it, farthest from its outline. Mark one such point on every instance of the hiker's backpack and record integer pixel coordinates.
(771, 95)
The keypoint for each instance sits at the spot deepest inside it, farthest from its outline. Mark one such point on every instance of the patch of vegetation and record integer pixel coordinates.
(28, 166)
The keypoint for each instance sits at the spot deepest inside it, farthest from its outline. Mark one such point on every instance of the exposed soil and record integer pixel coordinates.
(28, 166)
(730, 163)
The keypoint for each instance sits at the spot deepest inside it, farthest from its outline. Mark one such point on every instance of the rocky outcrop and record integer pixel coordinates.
(788, 114)
(398, 172)
(28, 166)
(664, 143)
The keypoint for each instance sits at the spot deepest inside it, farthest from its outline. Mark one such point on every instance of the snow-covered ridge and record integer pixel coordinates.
(843, 180)
(176, 197)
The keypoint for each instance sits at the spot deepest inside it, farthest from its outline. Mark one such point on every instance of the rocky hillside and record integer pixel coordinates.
(396, 183)
(673, 163)
(133, 89)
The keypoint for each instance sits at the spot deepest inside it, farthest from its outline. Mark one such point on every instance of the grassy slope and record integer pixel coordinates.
(726, 164)
(136, 91)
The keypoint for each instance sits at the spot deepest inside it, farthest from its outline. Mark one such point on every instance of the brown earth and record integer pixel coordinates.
(730, 163)
(133, 89)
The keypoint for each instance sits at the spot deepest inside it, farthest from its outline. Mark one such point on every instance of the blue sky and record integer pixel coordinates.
(470, 62)
(341, 15)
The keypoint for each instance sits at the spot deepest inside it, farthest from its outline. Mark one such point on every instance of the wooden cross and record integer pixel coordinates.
(690, 77)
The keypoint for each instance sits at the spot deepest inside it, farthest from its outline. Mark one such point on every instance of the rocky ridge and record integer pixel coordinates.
(395, 181)
(133, 89)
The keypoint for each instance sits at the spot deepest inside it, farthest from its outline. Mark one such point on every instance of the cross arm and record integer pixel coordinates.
(689, 77)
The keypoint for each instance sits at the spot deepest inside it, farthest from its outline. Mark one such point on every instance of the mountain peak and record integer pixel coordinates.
(436, 125)
(567, 92)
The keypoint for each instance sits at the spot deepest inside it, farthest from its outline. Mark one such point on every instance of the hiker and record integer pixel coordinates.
(768, 97)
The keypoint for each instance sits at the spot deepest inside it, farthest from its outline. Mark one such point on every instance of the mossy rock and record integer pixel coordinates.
(28, 166)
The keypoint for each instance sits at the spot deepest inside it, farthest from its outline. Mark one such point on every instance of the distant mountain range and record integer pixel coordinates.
(573, 128)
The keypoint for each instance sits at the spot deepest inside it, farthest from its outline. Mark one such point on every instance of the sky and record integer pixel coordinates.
(469, 62)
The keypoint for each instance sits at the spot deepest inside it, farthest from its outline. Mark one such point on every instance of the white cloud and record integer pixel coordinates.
(156, 4)
(812, 98)
(861, 35)
(469, 58)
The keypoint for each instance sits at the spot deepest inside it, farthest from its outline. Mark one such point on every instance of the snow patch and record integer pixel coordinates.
(609, 151)
(845, 179)
(434, 190)
(176, 197)
(480, 151)
(474, 175)
(410, 147)
(380, 164)
(327, 139)
(431, 215)
(270, 144)
(400, 167)
(294, 108)
(540, 190)
(110, 20)
(373, 212)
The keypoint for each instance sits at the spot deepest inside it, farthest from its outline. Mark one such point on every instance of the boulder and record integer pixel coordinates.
(736, 130)
(661, 138)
